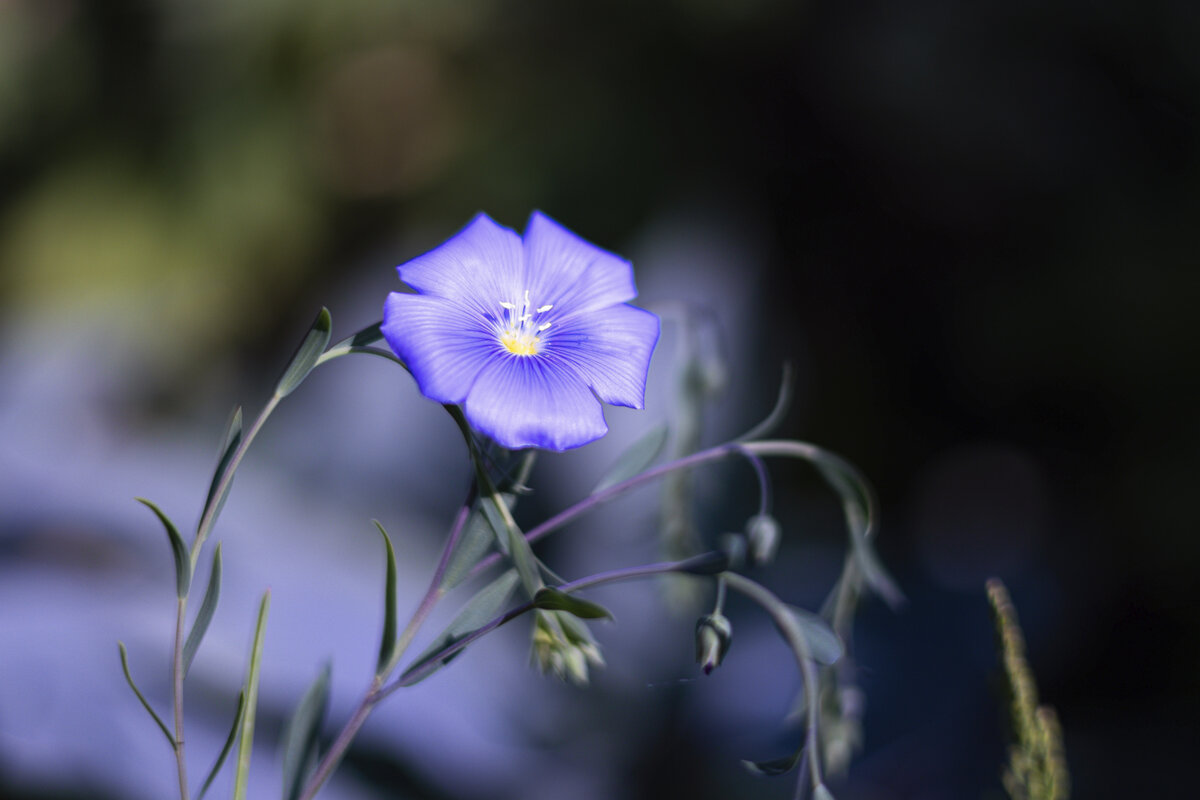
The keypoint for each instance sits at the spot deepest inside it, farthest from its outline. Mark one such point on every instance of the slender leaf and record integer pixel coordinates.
(775, 766)
(228, 746)
(823, 643)
(636, 457)
(205, 615)
(551, 599)
(145, 703)
(387, 643)
(855, 504)
(473, 543)
(357, 342)
(478, 611)
(301, 737)
(246, 743)
(233, 438)
(512, 542)
(183, 562)
(306, 356)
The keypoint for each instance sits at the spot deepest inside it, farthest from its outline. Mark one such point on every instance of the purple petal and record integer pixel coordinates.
(528, 401)
(610, 349)
(482, 265)
(570, 273)
(444, 344)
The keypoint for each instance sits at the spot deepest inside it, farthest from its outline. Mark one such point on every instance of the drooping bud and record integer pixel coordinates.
(713, 635)
(762, 534)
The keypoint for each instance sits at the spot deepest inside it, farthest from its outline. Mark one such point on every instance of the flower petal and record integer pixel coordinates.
(528, 401)
(445, 344)
(483, 264)
(569, 273)
(609, 349)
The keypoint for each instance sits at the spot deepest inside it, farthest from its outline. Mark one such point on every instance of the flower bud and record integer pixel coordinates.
(713, 635)
(762, 534)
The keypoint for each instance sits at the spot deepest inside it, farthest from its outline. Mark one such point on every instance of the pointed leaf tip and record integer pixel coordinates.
(550, 599)
(207, 607)
(306, 356)
(141, 697)
(387, 642)
(302, 735)
(183, 562)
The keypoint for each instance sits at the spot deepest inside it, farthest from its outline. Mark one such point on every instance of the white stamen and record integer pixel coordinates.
(543, 326)
(545, 308)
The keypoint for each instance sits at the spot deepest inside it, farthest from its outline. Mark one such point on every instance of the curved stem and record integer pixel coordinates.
(611, 576)
(804, 659)
(773, 447)
(373, 695)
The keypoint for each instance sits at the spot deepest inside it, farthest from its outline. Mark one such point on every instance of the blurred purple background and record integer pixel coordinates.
(970, 227)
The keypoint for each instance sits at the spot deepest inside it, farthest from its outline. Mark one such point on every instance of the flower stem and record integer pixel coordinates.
(373, 695)
(783, 620)
(177, 696)
(432, 661)
(333, 756)
(210, 513)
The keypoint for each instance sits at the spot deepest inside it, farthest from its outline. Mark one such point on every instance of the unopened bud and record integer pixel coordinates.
(762, 534)
(713, 635)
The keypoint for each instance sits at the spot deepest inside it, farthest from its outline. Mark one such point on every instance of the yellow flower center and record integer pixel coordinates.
(518, 329)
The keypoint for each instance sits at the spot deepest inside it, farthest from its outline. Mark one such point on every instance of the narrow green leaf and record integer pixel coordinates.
(855, 504)
(183, 562)
(229, 445)
(246, 735)
(387, 643)
(301, 737)
(306, 356)
(478, 611)
(512, 542)
(204, 616)
(823, 643)
(775, 766)
(550, 599)
(474, 541)
(636, 457)
(357, 342)
(145, 703)
(229, 740)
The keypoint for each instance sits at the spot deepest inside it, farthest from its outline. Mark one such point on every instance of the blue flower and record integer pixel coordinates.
(528, 334)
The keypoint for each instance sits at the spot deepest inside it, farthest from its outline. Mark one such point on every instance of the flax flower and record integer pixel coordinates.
(529, 335)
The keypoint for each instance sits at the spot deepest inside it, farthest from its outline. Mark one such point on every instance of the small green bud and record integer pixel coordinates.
(713, 635)
(562, 646)
(762, 533)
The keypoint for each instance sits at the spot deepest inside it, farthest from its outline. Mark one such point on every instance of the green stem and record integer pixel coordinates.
(792, 634)
(372, 696)
(177, 696)
(210, 513)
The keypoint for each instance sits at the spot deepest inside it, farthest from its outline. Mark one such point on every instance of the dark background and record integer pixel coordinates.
(971, 226)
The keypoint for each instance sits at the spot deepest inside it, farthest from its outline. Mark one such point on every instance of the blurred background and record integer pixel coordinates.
(970, 227)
